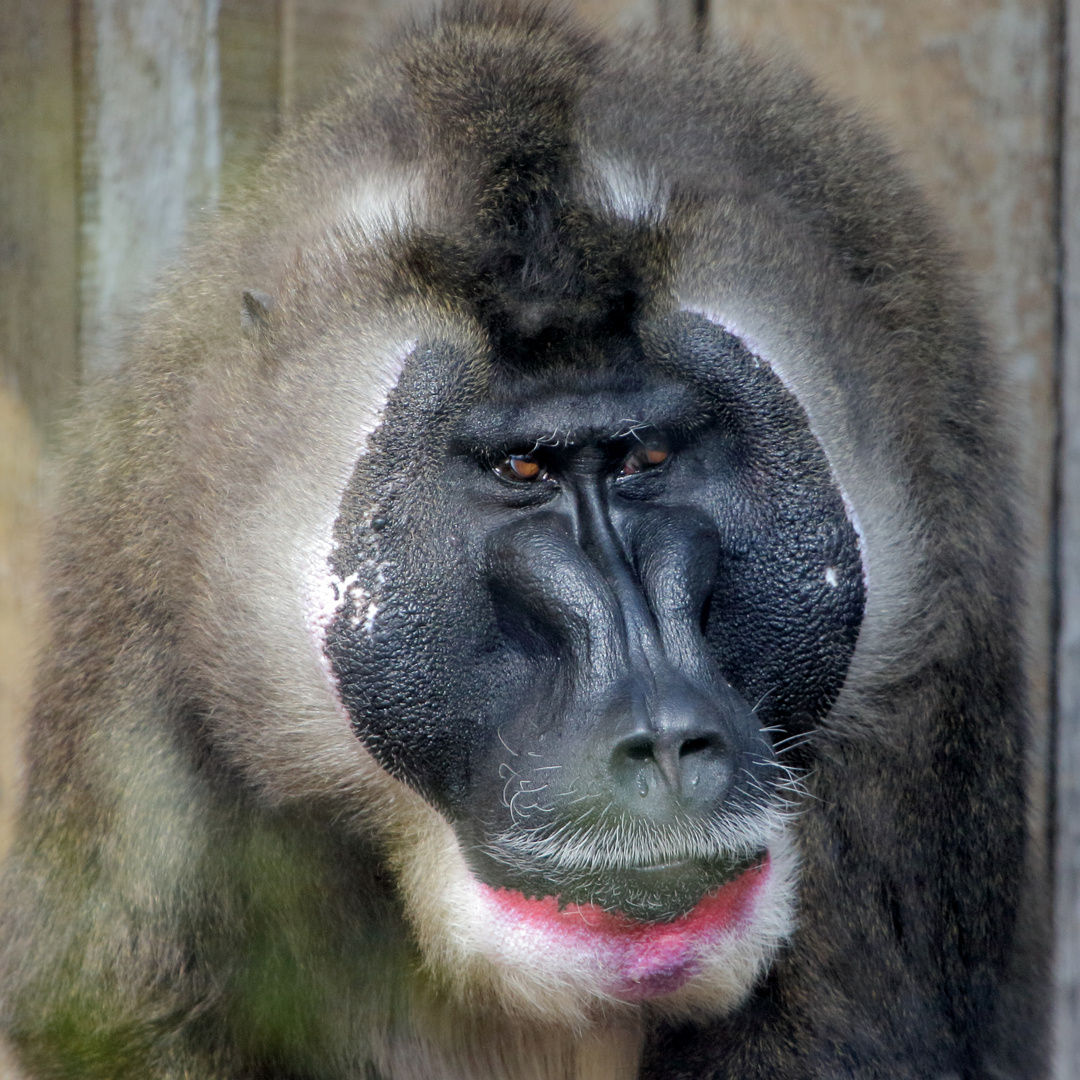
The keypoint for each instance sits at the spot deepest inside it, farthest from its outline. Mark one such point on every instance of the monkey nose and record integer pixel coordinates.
(677, 753)
(678, 761)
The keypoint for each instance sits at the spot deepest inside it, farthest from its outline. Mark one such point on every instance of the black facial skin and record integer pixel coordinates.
(597, 601)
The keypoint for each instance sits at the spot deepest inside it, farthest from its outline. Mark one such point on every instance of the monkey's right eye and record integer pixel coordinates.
(520, 469)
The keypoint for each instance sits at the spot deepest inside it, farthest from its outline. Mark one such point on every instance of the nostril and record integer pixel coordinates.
(672, 768)
(698, 746)
(663, 746)
(639, 749)
(706, 608)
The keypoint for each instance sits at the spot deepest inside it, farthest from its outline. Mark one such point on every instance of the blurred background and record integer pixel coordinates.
(121, 120)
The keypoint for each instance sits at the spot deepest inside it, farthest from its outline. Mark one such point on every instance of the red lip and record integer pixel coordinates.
(639, 959)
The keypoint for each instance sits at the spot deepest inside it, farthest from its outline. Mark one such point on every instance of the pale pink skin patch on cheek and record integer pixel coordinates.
(639, 960)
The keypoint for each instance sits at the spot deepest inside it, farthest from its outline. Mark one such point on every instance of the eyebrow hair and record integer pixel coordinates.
(531, 423)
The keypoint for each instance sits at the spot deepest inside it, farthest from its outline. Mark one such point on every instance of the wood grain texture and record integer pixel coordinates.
(38, 231)
(1067, 853)
(150, 149)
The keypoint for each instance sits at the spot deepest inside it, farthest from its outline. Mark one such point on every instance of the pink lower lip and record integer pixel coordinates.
(641, 959)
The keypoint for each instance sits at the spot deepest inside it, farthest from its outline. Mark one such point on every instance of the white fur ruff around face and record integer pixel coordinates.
(481, 952)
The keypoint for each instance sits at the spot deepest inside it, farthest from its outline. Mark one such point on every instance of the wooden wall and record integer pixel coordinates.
(1066, 715)
(120, 119)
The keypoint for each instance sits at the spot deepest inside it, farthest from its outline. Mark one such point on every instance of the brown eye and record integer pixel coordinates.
(644, 457)
(520, 468)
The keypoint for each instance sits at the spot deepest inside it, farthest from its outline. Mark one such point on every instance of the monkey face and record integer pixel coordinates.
(575, 623)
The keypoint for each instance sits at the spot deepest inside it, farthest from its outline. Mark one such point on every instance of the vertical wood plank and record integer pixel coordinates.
(1067, 846)
(150, 151)
(249, 35)
(38, 227)
(286, 62)
(670, 14)
(329, 34)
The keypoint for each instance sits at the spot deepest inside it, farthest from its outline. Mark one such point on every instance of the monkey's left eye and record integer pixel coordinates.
(649, 455)
(521, 469)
